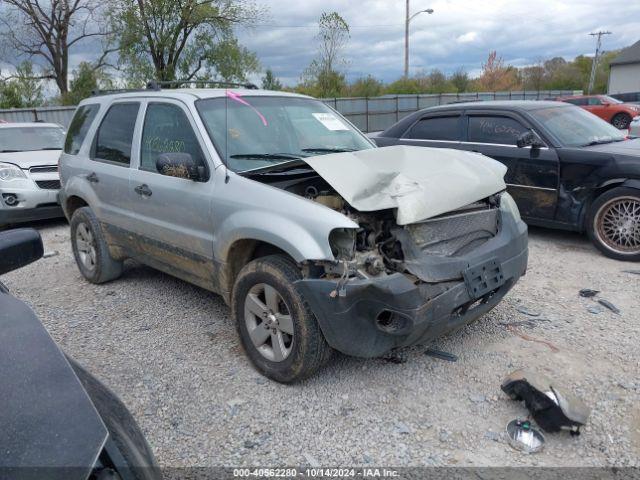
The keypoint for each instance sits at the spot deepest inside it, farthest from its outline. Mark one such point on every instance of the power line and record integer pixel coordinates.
(594, 64)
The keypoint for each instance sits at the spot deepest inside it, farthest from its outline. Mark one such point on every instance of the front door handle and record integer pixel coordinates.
(143, 190)
(93, 178)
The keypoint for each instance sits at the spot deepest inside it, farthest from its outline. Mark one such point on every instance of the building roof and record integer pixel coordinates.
(628, 55)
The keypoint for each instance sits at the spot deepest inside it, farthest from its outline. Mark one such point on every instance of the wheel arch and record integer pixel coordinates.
(601, 189)
(239, 254)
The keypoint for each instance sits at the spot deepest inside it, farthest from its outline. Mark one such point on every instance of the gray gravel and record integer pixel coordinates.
(171, 353)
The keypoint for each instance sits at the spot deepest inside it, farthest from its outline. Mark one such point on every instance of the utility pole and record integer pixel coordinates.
(407, 21)
(594, 65)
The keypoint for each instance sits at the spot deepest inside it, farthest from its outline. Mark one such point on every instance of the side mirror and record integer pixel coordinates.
(18, 248)
(529, 139)
(180, 165)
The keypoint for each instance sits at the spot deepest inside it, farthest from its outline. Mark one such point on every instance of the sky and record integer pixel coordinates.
(460, 33)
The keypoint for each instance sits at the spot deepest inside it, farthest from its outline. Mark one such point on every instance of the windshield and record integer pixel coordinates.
(609, 99)
(252, 132)
(575, 127)
(25, 139)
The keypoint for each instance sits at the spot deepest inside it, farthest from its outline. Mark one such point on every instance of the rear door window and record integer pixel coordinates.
(494, 129)
(436, 128)
(79, 127)
(115, 135)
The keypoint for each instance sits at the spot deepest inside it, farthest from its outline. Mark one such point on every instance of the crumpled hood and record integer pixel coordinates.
(420, 182)
(35, 158)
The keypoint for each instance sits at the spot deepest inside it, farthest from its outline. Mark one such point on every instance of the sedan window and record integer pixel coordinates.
(436, 128)
(494, 129)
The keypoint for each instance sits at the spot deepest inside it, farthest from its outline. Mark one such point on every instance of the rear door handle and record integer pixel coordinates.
(93, 178)
(143, 190)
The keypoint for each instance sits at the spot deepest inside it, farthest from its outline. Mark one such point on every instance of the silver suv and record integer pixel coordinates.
(318, 240)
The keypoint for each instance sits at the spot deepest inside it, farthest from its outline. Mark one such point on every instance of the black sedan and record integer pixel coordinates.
(58, 421)
(567, 168)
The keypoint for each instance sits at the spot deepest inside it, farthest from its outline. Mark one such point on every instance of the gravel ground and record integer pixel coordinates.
(171, 353)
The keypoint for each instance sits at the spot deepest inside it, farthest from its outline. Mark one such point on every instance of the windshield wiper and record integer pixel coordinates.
(10, 151)
(328, 150)
(267, 156)
(277, 168)
(51, 148)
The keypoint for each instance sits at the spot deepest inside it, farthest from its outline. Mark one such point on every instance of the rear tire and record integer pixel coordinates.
(90, 249)
(277, 328)
(621, 121)
(613, 223)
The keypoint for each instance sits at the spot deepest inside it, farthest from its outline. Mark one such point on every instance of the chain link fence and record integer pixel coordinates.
(368, 114)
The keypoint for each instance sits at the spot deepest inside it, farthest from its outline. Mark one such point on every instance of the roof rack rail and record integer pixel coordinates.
(157, 85)
(95, 93)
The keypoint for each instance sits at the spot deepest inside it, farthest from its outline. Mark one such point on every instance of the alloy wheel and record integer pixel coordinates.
(269, 323)
(86, 246)
(617, 225)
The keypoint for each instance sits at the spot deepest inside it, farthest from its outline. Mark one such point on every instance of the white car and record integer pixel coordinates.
(29, 180)
(634, 127)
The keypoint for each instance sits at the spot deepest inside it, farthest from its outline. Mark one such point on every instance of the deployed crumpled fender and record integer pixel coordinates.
(420, 182)
(551, 407)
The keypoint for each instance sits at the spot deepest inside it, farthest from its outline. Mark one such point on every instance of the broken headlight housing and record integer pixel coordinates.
(509, 204)
(9, 172)
(343, 243)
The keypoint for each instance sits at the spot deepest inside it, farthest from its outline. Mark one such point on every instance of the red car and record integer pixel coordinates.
(614, 111)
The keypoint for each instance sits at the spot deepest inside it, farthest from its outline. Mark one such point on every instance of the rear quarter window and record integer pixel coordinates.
(79, 127)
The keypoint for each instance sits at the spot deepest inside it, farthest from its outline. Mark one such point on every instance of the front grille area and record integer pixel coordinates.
(44, 169)
(48, 184)
(455, 234)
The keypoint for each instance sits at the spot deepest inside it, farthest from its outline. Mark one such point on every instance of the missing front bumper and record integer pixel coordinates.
(377, 315)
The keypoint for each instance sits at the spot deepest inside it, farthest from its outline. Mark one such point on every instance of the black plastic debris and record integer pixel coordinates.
(526, 311)
(550, 406)
(588, 293)
(449, 357)
(609, 305)
(633, 272)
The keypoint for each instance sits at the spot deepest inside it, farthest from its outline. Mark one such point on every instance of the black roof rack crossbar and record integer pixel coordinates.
(157, 85)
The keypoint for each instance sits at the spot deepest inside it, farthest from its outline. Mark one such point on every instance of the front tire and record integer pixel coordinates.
(613, 223)
(91, 250)
(621, 121)
(278, 330)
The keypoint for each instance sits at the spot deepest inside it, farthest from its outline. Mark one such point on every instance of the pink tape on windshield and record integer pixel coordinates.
(236, 97)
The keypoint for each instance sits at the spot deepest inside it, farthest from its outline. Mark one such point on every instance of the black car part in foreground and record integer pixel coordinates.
(58, 421)
(567, 168)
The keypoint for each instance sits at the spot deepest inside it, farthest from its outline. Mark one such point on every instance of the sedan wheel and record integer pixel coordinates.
(617, 225)
(269, 322)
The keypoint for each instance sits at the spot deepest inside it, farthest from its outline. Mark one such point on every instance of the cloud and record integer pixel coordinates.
(460, 33)
(468, 37)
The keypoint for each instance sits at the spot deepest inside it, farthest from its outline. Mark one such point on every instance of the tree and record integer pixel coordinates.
(460, 80)
(366, 87)
(323, 74)
(48, 31)
(22, 90)
(496, 76)
(270, 81)
(85, 80)
(182, 39)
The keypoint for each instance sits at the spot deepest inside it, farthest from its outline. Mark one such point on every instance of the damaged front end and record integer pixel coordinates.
(395, 286)
(439, 243)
